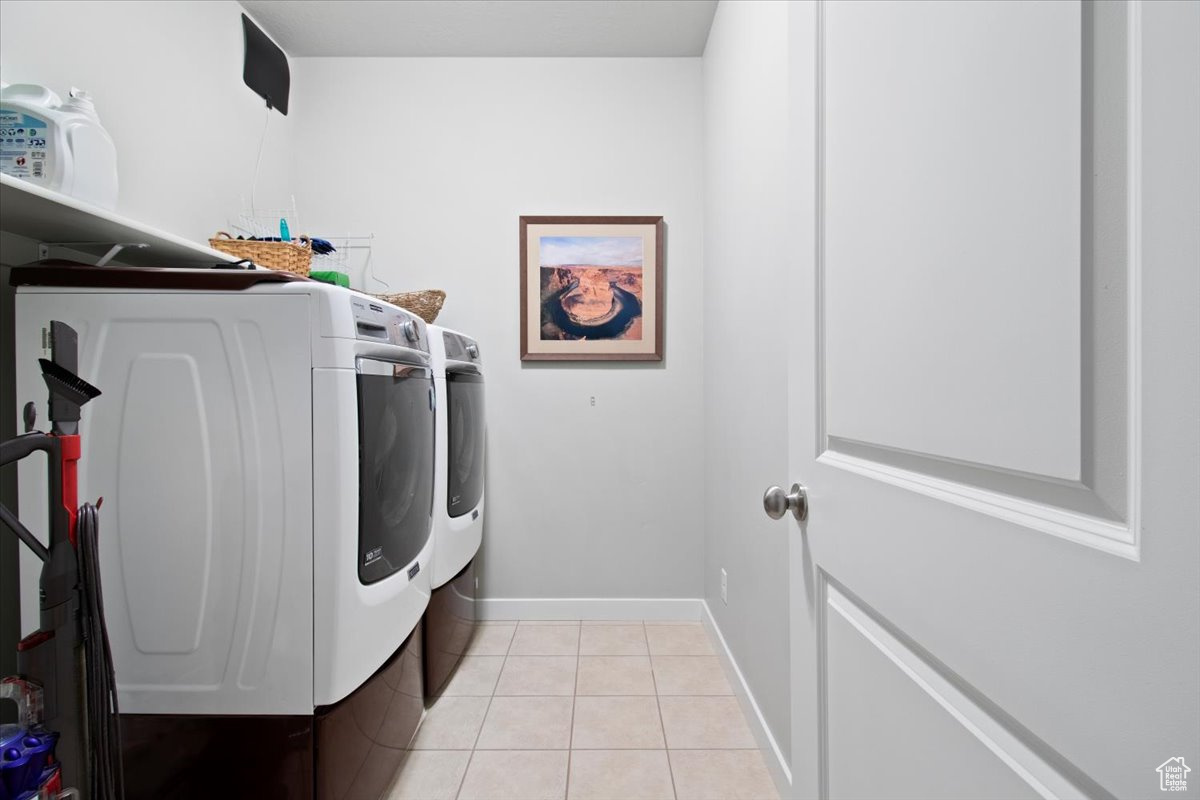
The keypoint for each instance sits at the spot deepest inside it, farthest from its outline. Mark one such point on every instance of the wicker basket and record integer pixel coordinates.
(293, 257)
(425, 304)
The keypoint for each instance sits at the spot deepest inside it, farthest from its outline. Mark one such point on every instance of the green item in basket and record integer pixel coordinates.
(330, 276)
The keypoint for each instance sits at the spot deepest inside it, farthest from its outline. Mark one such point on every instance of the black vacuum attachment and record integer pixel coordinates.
(68, 391)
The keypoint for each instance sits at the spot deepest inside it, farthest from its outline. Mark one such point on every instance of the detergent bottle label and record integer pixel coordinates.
(23, 144)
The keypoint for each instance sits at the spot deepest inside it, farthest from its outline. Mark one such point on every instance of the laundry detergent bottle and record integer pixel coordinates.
(56, 145)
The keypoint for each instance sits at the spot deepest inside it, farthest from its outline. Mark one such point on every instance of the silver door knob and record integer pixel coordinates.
(776, 502)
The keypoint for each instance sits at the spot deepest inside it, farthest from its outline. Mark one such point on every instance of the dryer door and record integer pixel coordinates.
(466, 427)
(395, 426)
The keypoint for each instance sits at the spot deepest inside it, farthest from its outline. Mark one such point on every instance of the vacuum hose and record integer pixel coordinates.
(104, 725)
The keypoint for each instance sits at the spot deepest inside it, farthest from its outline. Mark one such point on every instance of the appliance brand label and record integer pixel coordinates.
(413, 570)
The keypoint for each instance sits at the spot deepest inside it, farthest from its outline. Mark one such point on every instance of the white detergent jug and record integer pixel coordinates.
(56, 145)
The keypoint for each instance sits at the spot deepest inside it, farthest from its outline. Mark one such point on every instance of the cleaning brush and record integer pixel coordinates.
(66, 384)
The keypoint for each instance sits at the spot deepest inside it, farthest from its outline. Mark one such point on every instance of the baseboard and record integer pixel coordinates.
(777, 762)
(589, 608)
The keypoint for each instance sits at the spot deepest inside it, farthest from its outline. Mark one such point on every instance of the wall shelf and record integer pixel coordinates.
(45, 216)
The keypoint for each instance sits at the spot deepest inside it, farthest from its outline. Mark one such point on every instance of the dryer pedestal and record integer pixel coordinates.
(449, 625)
(352, 748)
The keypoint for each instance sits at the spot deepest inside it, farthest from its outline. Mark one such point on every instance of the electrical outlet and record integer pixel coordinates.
(724, 586)
(593, 400)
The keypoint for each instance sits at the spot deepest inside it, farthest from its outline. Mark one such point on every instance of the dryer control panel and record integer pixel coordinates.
(461, 348)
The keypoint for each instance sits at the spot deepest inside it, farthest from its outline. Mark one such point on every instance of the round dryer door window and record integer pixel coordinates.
(395, 429)
(465, 430)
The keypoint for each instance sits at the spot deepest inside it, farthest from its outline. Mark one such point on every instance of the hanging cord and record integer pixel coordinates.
(258, 161)
(369, 271)
(104, 724)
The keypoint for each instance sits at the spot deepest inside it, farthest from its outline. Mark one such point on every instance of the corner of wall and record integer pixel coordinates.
(746, 323)
(773, 755)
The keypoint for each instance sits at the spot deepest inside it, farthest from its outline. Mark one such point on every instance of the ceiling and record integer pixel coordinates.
(486, 27)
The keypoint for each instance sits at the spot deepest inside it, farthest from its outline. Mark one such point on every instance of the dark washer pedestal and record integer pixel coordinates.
(449, 626)
(347, 751)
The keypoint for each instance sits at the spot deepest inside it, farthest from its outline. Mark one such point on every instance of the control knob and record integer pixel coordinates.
(410, 331)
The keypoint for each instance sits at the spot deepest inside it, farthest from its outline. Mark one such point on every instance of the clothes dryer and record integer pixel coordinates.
(458, 501)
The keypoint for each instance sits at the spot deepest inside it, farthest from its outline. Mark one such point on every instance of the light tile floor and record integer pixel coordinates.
(586, 711)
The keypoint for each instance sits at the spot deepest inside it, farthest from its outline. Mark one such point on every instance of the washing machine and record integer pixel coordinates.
(264, 446)
(458, 500)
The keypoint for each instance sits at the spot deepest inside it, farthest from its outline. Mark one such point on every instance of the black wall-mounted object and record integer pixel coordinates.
(266, 69)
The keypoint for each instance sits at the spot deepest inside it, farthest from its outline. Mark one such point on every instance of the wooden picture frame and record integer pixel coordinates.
(592, 288)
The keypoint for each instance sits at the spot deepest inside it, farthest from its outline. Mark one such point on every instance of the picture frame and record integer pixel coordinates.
(592, 288)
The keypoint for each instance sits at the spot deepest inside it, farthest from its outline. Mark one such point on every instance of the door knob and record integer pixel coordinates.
(776, 502)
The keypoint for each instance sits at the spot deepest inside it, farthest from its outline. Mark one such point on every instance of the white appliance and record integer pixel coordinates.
(458, 501)
(461, 432)
(265, 458)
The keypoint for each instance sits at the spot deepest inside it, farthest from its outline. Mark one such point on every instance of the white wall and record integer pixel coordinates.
(439, 158)
(747, 314)
(167, 81)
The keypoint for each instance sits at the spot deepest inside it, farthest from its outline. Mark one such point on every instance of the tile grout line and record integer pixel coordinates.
(479, 733)
(658, 705)
(574, 699)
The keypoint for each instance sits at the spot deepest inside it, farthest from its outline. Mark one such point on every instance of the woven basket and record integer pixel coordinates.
(293, 257)
(425, 304)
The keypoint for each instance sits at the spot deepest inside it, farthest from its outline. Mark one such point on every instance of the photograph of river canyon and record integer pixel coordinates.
(591, 287)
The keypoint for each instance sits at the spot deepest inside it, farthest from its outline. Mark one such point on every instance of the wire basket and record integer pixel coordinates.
(294, 257)
(425, 304)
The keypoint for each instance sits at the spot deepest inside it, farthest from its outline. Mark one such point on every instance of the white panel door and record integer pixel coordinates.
(995, 398)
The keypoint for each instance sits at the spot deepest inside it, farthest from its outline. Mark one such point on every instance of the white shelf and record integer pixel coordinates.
(44, 216)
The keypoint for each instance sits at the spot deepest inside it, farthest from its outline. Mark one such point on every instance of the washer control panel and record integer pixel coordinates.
(381, 322)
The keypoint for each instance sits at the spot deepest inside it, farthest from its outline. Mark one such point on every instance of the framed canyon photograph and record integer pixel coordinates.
(592, 288)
